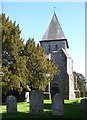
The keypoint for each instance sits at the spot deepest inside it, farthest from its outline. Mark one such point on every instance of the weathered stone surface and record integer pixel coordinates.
(36, 102)
(84, 105)
(57, 105)
(11, 104)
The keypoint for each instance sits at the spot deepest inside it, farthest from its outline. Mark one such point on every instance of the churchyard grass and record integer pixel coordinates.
(72, 110)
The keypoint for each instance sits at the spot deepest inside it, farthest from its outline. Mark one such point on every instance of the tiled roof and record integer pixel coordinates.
(54, 30)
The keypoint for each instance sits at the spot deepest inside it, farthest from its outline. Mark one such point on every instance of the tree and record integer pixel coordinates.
(13, 62)
(24, 66)
(38, 66)
(80, 81)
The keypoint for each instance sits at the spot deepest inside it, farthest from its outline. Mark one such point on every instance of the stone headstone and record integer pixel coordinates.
(11, 104)
(83, 105)
(36, 102)
(57, 105)
(27, 96)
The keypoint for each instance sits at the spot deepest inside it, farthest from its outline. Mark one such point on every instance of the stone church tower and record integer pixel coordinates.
(56, 45)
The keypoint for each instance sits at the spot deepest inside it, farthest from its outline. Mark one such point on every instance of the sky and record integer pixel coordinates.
(34, 17)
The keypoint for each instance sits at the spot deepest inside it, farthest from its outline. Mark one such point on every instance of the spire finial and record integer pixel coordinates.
(54, 9)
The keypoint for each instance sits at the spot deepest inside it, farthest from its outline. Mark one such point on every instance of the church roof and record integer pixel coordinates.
(66, 53)
(54, 30)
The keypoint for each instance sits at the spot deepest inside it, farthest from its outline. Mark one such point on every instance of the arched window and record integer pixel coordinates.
(49, 48)
(56, 47)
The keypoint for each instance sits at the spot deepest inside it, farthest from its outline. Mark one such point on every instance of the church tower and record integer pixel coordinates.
(55, 45)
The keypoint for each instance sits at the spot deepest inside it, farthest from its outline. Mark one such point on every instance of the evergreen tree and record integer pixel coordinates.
(24, 66)
(80, 80)
(38, 66)
(13, 63)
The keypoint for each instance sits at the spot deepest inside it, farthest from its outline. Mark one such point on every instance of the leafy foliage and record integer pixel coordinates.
(13, 63)
(80, 81)
(24, 66)
(38, 66)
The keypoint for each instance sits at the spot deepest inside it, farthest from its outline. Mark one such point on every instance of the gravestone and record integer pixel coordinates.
(83, 105)
(57, 105)
(36, 102)
(27, 96)
(11, 104)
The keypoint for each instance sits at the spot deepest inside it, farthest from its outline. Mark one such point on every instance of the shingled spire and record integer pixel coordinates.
(54, 30)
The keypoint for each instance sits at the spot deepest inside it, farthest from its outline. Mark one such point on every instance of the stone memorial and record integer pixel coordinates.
(27, 96)
(36, 102)
(11, 104)
(83, 105)
(57, 105)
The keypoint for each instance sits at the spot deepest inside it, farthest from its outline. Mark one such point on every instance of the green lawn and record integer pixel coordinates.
(71, 110)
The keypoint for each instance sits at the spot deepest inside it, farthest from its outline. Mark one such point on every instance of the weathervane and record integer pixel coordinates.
(54, 8)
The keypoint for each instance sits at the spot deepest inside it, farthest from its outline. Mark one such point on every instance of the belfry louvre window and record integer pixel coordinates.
(56, 47)
(49, 48)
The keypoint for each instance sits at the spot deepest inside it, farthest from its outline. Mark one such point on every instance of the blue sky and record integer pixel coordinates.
(34, 17)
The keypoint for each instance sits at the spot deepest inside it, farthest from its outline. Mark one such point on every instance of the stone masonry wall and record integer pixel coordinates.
(65, 65)
(60, 60)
